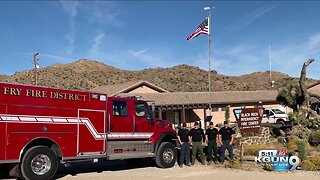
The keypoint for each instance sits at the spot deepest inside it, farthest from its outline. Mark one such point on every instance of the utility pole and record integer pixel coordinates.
(35, 64)
(271, 81)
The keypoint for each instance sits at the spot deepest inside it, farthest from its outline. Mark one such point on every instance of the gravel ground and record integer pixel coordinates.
(147, 171)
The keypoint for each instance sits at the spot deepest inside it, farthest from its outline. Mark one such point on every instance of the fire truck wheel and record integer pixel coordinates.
(39, 162)
(166, 155)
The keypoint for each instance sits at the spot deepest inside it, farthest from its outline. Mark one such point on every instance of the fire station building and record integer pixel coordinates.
(189, 107)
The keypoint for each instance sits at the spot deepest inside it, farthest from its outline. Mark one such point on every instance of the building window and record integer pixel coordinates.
(215, 109)
(176, 117)
(120, 108)
(223, 108)
(164, 115)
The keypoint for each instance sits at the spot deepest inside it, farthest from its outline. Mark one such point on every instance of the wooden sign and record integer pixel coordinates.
(249, 119)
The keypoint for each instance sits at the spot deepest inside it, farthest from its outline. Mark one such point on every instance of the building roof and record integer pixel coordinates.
(202, 98)
(114, 89)
(189, 99)
(314, 89)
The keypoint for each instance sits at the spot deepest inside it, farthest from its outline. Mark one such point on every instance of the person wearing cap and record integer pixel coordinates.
(183, 138)
(211, 139)
(226, 140)
(196, 138)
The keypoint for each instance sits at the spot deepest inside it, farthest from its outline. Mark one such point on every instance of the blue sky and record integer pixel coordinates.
(134, 35)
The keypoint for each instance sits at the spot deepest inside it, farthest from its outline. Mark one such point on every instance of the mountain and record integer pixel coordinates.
(87, 74)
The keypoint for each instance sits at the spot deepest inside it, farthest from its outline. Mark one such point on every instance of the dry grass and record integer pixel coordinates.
(255, 148)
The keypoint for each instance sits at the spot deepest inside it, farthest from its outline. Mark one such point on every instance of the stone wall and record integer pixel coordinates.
(262, 137)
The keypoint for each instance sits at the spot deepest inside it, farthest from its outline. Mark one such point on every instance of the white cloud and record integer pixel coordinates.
(96, 13)
(314, 42)
(47, 58)
(96, 45)
(56, 57)
(148, 59)
(247, 58)
(139, 53)
(71, 36)
(71, 9)
(291, 57)
(254, 15)
(102, 13)
(249, 18)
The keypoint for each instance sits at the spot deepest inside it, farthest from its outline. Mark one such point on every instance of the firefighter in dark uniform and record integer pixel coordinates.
(211, 139)
(196, 138)
(183, 138)
(226, 137)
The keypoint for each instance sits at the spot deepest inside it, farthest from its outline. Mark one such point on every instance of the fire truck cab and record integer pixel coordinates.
(41, 127)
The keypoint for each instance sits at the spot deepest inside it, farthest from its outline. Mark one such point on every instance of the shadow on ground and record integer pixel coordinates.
(104, 165)
(75, 168)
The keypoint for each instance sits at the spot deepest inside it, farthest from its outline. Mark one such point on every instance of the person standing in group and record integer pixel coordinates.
(211, 139)
(226, 137)
(196, 138)
(183, 138)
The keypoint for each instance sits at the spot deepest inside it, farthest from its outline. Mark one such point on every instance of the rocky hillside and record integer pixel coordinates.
(87, 74)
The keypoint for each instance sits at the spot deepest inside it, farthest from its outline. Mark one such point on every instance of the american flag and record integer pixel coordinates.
(203, 28)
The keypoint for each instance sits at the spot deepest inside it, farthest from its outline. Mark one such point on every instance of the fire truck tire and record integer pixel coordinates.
(39, 163)
(166, 155)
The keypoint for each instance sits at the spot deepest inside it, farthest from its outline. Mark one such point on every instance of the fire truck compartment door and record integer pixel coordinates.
(3, 130)
(121, 120)
(91, 132)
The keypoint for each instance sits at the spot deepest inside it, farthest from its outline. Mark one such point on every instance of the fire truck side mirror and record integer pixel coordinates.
(152, 115)
(153, 108)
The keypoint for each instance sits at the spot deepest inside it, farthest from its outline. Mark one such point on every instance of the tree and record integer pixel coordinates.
(227, 113)
(290, 95)
(302, 83)
(296, 96)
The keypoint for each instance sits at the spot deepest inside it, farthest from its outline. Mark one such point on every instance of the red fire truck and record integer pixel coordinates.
(41, 127)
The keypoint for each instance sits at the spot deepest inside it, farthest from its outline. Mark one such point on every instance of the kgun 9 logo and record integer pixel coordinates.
(278, 160)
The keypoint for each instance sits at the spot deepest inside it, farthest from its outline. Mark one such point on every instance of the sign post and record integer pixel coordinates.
(248, 120)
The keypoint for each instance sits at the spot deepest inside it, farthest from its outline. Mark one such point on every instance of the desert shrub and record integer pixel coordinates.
(301, 132)
(302, 148)
(281, 140)
(292, 143)
(308, 165)
(316, 123)
(254, 149)
(235, 164)
(314, 138)
(306, 123)
(316, 162)
(296, 117)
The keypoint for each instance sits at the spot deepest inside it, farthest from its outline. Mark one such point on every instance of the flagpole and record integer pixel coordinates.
(209, 59)
(209, 54)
